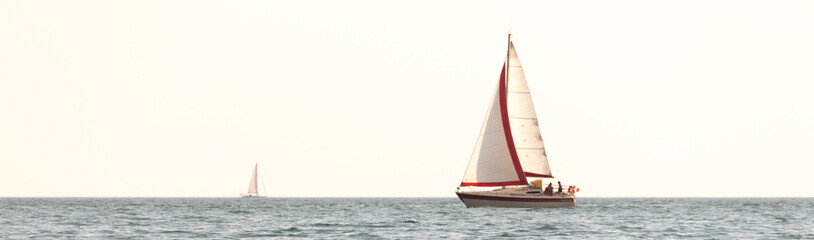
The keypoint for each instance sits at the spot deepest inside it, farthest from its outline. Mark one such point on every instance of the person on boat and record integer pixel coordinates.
(549, 190)
(559, 189)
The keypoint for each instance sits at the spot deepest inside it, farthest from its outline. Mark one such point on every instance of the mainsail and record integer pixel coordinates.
(523, 121)
(253, 183)
(509, 145)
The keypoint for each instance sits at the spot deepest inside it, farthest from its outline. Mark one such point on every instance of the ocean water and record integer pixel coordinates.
(402, 218)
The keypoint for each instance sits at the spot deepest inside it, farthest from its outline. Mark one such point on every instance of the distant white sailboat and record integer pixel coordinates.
(253, 193)
(509, 150)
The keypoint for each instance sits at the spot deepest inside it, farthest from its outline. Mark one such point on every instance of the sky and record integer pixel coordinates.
(386, 98)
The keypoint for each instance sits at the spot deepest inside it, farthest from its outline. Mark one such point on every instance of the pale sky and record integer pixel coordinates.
(385, 98)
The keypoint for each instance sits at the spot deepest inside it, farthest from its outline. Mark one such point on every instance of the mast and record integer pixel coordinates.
(508, 49)
(504, 112)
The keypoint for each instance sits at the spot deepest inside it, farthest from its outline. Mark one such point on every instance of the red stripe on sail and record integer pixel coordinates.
(531, 174)
(504, 115)
(492, 184)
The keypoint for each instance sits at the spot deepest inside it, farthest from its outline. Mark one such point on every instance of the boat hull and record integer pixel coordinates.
(251, 196)
(490, 199)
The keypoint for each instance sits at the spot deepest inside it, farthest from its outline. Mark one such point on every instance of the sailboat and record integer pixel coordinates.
(253, 193)
(510, 150)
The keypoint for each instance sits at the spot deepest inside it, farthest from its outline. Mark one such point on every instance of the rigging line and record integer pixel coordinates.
(264, 185)
(263, 180)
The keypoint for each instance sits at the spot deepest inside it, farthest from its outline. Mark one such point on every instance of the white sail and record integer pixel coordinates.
(492, 163)
(253, 183)
(523, 122)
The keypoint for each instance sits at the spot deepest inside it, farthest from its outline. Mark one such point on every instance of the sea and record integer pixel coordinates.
(403, 218)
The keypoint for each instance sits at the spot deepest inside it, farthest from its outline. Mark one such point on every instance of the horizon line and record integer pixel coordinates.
(326, 197)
